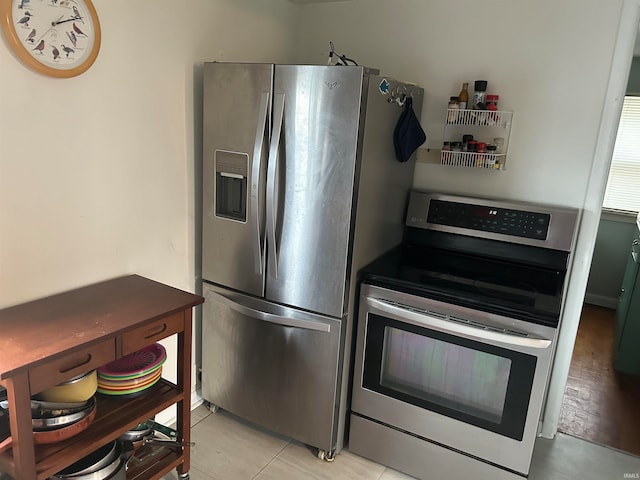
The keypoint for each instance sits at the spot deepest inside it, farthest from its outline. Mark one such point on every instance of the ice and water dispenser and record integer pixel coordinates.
(231, 169)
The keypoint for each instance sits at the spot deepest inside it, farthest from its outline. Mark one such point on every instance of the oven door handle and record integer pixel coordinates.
(446, 326)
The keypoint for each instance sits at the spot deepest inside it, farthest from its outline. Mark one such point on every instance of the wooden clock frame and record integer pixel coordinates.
(8, 27)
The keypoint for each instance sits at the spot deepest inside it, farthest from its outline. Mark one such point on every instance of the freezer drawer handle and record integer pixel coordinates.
(272, 181)
(270, 317)
(456, 328)
(255, 181)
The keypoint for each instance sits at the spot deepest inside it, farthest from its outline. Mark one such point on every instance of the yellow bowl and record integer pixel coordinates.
(78, 389)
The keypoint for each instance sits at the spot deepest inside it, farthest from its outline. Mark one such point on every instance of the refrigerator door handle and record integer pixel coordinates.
(258, 254)
(283, 320)
(272, 181)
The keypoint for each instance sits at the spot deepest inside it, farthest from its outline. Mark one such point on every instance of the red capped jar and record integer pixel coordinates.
(492, 102)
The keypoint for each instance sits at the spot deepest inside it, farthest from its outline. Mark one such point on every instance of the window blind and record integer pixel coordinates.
(623, 185)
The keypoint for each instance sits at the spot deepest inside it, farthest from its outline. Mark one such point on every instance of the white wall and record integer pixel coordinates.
(97, 171)
(549, 61)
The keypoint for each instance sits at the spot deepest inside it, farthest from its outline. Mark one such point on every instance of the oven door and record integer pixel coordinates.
(468, 380)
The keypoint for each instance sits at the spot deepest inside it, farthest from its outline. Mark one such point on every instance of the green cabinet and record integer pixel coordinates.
(627, 334)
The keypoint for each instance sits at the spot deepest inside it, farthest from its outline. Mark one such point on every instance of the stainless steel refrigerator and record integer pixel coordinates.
(301, 188)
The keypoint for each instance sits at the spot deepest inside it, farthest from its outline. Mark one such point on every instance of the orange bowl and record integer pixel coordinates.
(128, 382)
(115, 387)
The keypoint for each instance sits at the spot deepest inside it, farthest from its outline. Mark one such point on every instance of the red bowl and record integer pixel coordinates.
(135, 364)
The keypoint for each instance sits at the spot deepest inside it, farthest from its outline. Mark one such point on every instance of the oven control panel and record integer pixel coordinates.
(519, 223)
(546, 226)
(489, 219)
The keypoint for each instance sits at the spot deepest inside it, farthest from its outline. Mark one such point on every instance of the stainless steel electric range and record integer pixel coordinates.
(456, 333)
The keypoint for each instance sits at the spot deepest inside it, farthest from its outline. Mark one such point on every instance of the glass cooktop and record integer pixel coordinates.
(517, 290)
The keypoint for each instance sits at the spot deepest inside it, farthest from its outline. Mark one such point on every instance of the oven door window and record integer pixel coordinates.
(474, 382)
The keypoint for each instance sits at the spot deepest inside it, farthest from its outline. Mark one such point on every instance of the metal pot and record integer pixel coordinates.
(136, 434)
(116, 471)
(42, 409)
(64, 432)
(59, 418)
(106, 455)
(105, 463)
(121, 473)
(144, 434)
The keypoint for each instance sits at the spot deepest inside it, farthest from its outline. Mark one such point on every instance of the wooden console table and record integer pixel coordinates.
(49, 341)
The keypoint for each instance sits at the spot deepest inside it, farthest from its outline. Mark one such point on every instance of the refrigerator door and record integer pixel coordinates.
(236, 125)
(272, 365)
(626, 354)
(310, 185)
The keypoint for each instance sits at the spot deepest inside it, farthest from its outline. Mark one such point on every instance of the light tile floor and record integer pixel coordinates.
(228, 448)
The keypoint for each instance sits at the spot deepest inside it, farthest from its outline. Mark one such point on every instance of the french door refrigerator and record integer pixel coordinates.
(301, 188)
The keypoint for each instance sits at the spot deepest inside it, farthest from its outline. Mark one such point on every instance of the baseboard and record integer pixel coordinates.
(601, 301)
(196, 400)
(168, 416)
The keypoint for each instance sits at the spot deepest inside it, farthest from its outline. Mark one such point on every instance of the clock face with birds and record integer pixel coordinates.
(60, 38)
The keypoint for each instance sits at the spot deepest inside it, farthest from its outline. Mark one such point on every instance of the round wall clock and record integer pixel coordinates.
(60, 38)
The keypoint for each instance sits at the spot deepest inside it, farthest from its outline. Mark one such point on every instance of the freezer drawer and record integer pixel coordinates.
(272, 365)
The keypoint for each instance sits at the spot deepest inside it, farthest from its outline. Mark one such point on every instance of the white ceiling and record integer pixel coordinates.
(315, 1)
(636, 50)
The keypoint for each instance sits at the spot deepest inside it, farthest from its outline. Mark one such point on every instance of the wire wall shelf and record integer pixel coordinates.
(488, 127)
(481, 118)
(488, 161)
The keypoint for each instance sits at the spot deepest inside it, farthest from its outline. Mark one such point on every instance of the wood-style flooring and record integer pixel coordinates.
(600, 404)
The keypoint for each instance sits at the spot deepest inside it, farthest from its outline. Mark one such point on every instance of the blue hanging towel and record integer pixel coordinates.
(408, 134)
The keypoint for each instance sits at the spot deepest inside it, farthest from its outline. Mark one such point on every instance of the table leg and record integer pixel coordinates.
(19, 398)
(183, 414)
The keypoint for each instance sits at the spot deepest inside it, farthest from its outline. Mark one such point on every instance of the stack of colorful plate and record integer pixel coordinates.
(134, 373)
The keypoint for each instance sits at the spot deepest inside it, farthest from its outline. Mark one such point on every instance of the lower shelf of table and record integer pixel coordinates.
(152, 461)
(114, 417)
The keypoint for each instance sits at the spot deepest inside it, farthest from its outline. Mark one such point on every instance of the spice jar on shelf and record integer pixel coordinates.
(446, 153)
(453, 106)
(481, 150)
(490, 157)
(492, 102)
(499, 143)
(480, 95)
(463, 97)
(465, 142)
